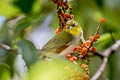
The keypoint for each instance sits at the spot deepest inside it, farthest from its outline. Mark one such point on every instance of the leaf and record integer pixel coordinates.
(28, 21)
(24, 5)
(28, 51)
(7, 9)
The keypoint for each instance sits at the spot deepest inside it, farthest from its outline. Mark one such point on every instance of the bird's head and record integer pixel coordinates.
(73, 28)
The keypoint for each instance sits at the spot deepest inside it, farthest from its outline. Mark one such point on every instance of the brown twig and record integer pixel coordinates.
(4, 46)
(106, 54)
(97, 54)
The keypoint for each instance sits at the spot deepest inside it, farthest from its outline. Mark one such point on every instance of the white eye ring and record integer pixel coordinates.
(69, 27)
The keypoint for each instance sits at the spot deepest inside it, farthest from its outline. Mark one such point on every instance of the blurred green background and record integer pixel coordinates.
(26, 25)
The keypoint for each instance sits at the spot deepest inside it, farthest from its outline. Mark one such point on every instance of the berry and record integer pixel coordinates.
(71, 16)
(93, 50)
(87, 43)
(74, 50)
(68, 55)
(84, 50)
(74, 58)
(64, 27)
(102, 20)
(91, 38)
(97, 36)
(86, 77)
(87, 55)
(78, 47)
(83, 65)
(83, 45)
(57, 31)
(71, 59)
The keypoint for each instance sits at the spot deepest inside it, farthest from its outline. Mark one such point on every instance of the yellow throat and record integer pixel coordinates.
(73, 28)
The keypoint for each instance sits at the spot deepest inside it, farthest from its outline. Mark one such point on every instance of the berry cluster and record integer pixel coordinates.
(64, 14)
(81, 52)
(85, 68)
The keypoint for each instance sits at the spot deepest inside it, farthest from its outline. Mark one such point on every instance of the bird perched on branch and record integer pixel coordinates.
(65, 41)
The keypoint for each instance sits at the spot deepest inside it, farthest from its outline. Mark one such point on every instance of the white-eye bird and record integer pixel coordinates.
(65, 41)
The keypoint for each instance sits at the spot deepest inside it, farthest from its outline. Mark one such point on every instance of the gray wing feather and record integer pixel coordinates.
(59, 40)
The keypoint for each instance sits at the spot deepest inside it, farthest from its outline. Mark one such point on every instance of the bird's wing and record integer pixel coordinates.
(58, 41)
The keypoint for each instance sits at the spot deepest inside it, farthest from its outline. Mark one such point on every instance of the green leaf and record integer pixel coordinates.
(28, 21)
(29, 52)
(24, 5)
(8, 9)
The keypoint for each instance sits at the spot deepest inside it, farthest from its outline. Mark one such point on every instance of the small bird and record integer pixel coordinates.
(65, 41)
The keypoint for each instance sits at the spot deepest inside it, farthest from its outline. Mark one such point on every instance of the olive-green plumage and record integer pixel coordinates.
(65, 41)
(59, 40)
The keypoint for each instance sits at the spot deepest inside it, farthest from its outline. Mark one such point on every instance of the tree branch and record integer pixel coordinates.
(4, 46)
(106, 54)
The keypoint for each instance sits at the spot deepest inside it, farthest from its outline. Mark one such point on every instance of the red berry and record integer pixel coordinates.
(64, 27)
(83, 45)
(71, 16)
(91, 38)
(87, 55)
(78, 47)
(102, 20)
(66, 15)
(60, 3)
(68, 55)
(74, 58)
(87, 43)
(97, 36)
(84, 50)
(71, 59)
(57, 31)
(93, 50)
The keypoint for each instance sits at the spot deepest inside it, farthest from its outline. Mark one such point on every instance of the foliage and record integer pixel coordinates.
(25, 16)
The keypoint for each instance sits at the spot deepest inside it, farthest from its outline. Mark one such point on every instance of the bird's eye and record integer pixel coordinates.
(69, 27)
(74, 24)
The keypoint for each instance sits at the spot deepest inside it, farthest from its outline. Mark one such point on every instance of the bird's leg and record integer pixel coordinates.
(82, 37)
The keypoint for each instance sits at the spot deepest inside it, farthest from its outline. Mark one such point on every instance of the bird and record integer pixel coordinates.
(66, 40)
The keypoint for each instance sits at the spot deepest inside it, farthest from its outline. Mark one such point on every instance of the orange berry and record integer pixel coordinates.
(71, 16)
(57, 31)
(83, 45)
(74, 50)
(78, 47)
(87, 55)
(60, 3)
(71, 59)
(97, 36)
(64, 27)
(87, 43)
(74, 58)
(68, 55)
(84, 50)
(66, 15)
(91, 38)
(102, 20)
(86, 77)
(83, 65)
(93, 50)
